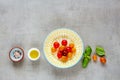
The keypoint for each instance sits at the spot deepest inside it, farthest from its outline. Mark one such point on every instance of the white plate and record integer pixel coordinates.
(58, 35)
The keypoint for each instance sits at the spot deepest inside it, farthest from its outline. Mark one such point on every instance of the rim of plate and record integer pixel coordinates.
(78, 59)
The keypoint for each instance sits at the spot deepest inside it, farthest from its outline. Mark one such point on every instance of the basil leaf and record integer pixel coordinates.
(85, 62)
(88, 50)
(100, 51)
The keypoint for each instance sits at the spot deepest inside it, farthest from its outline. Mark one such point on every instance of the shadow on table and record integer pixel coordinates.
(28, 66)
(73, 71)
(35, 64)
(18, 64)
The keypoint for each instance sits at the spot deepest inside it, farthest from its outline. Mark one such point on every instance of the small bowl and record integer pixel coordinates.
(16, 54)
(36, 50)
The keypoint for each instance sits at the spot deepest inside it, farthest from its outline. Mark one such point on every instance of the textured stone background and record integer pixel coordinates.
(26, 23)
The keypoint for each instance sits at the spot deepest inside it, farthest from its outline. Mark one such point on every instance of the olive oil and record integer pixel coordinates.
(34, 54)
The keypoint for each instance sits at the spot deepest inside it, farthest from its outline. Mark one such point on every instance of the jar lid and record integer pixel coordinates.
(16, 54)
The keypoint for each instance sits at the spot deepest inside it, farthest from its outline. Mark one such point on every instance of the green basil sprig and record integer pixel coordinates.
(86, 56)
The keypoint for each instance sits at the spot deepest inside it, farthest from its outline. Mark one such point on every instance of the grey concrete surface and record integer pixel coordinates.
(26, 23)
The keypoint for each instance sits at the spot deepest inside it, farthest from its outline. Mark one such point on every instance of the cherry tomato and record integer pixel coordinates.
(64, 58)
(103, 60)
(64, 53)
(64, 42)
(94, 57)
(61, 48)
(53, 49)
(56, 44)
(71, 45)
(73, 50)
(68, 49)
(59, 55)
(70, 55)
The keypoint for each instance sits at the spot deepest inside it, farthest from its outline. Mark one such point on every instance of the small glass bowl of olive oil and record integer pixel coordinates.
(34, 54)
